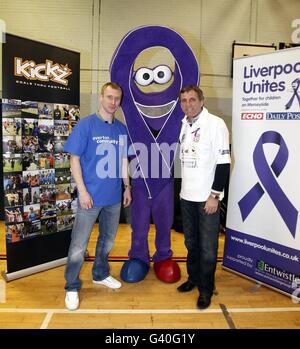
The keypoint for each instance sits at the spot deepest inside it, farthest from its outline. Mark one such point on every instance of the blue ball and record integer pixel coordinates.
(134, 270)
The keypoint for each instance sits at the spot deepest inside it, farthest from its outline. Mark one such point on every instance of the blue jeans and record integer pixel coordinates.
(85, 219)
(201, 232)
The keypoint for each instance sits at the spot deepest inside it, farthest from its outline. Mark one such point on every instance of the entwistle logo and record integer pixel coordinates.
(282, 274)
(45, 72)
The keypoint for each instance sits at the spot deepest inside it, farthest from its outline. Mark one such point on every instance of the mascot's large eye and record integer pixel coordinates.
(144, 76)
(162, 74)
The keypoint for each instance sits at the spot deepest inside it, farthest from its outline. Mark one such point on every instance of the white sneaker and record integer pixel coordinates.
(109, 282)
(72, 300)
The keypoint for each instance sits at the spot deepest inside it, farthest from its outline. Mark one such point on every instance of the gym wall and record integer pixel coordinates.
(95, 28)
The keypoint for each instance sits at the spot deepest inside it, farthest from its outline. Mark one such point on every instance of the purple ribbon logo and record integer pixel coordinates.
(286, 209)
(295, 86)
(196, 132)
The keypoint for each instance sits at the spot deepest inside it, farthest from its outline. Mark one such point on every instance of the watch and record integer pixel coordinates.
(127, 186)
(215, 196)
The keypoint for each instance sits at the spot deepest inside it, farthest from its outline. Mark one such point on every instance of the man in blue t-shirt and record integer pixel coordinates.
(98, 148)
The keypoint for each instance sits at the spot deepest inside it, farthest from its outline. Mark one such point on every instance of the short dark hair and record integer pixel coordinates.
(193, 88)
(113, 85)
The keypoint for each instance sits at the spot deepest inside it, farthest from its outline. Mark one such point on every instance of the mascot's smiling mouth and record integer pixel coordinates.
(155, 111)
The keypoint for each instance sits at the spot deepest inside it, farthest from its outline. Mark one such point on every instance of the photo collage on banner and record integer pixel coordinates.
(39, 190)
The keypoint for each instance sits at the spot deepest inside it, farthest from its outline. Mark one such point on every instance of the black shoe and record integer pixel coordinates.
(186, 287)
(203, 302)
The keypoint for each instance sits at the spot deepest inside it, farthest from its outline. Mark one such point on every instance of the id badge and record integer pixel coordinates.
(189, 163)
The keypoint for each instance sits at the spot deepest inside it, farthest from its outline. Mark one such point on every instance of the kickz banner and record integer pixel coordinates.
(263, 229)
(40, 107)
(39, 71)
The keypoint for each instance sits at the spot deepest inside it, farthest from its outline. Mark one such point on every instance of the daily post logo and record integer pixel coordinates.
(44, 72)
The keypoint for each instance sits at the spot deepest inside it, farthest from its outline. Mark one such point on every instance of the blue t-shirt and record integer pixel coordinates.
(101, 147)
(32, 217)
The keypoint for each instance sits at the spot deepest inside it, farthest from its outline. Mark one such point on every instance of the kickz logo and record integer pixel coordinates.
(43, 72)
(252, 116)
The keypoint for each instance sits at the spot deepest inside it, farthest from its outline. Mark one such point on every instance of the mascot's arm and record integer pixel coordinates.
(84, 197)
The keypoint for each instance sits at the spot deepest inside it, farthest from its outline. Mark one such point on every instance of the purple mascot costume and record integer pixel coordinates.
(153, 120)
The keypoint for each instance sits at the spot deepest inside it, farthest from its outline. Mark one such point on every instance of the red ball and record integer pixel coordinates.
(167, 271)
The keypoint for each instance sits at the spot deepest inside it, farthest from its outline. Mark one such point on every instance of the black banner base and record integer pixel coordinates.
(45, 251)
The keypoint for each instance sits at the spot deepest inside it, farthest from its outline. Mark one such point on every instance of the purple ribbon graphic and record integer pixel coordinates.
(295, 86)
(286, 209)
(196, 132)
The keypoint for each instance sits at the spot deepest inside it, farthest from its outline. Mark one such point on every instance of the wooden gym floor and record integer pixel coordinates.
(37, 301)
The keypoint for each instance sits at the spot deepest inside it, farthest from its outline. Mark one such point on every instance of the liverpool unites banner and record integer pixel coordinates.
(263, 229)
(40, 106)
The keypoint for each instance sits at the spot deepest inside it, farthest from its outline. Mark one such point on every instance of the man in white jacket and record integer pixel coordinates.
(205, 163)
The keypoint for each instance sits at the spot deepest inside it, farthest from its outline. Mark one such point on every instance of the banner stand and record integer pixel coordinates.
(262, 240)
(36, 269)
(40, 107)
(257, 283)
